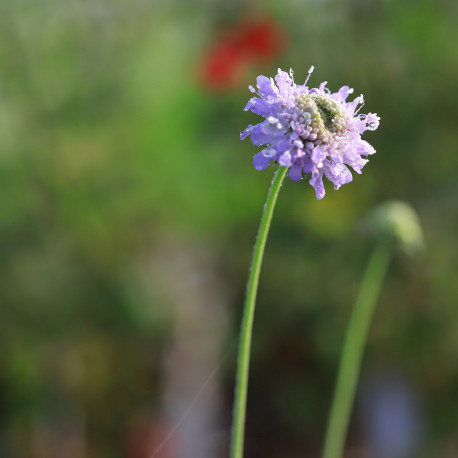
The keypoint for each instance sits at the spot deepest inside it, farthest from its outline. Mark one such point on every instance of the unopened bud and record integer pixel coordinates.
(398, 221)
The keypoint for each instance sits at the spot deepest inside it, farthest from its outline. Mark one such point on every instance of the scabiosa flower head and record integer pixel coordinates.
(309, 130)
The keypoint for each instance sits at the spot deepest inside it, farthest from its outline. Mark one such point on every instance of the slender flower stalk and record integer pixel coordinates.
(352, 353)
(241, 388)
(309, 132)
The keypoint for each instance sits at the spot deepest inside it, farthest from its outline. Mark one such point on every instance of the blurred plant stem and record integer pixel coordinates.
(241, 387)
(350, 362)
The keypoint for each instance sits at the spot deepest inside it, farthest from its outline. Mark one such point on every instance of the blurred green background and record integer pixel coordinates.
(129, 210)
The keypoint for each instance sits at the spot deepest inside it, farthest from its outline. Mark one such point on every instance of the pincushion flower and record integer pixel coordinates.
(316, 132)
(309, 130)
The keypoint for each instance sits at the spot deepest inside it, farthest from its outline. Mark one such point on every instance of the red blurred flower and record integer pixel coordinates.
(244, 43)
(222, 65)
(262, 40)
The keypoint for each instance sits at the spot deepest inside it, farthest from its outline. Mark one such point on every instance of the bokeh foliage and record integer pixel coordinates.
(109, 148)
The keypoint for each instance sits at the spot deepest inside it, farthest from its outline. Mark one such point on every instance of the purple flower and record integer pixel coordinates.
(309, 130)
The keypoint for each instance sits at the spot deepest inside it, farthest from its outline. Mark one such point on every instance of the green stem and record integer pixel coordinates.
(352, 353)
(241, 387)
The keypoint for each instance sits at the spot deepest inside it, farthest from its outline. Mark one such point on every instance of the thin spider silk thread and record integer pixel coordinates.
(194, 400)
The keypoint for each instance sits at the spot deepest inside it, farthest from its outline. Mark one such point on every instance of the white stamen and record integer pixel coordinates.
(359, 100)
(309, 73)
(359, 108)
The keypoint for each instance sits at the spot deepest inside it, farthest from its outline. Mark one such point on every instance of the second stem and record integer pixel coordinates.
(353, 349)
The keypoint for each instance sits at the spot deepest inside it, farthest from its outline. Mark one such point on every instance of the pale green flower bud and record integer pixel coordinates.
(398, 221)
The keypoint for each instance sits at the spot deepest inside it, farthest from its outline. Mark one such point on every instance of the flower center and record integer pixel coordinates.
(320, 115)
